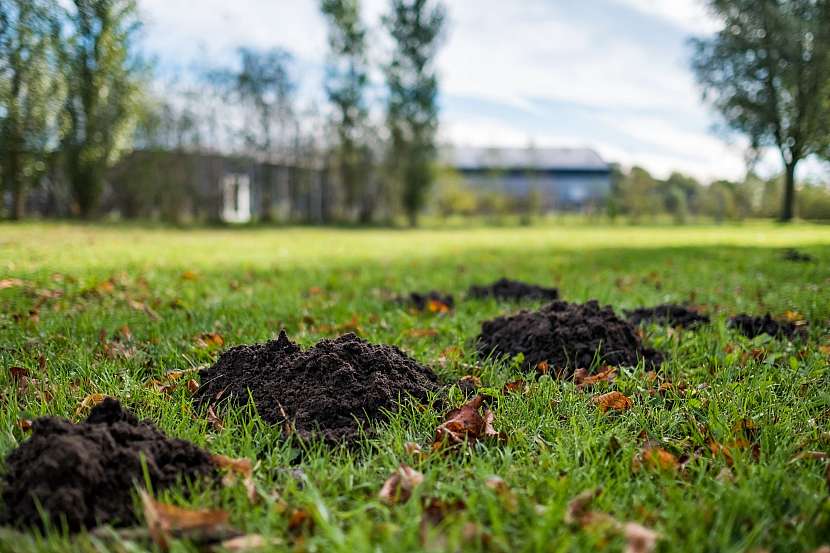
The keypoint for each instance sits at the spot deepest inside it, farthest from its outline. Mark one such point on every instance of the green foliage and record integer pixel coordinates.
(30, 93)
(103, 75)
(346, 80)
(768, 72)
(412, 110)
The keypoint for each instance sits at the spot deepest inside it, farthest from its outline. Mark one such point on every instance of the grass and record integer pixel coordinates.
(169, 286)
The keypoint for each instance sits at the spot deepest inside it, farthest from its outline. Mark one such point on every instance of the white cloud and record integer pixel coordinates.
(691, 15)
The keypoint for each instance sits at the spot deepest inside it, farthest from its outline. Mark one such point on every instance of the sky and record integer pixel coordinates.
(612, 75)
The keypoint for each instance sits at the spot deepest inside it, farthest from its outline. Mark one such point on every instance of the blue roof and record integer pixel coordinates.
(541, 159)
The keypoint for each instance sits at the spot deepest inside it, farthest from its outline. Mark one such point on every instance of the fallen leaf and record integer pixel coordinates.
(192, 386)
(214, 419)
(209, 340)
(811, 455)
(793, 316)
(243, 468)
(435, 511)
(422, 332)
(190, 275)
(655, 458)
(577, 511)
(399, 486)
(24, 424)
(89, 401)
(249, 542)
(465, 424)
(18, 373)
(639, 539)
(507, 496)
(300, 522)
(543, 367)
(166, 522)
(10, 283)
(514, 386)
(583, 379)
(612, 400)
(436, 306)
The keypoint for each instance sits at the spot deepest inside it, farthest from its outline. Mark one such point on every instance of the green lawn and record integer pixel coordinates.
(168, 286)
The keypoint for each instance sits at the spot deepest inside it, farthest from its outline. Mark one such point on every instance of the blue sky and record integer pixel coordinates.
(609, 74)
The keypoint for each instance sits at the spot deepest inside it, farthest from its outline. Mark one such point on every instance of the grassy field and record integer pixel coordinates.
(100, 309)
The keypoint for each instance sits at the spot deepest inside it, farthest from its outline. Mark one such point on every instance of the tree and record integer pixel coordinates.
(346, 80)
(263, 89)
(103, 75)
(412, 111)
(768, 72)
(30, 94)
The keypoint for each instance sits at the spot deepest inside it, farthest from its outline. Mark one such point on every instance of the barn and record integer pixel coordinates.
(574, 179)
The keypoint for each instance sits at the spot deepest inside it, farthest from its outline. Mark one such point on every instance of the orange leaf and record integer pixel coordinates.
(190, 275)
(656, 458)
(583, 379)
(435, 306)
(89, 402)
(208, 340)
(612, 400)
(514, 386)
(543, 367)
(168, 521)
(399, 486)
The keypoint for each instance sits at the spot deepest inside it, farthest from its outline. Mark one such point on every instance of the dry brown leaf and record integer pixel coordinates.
(422, 332)
(209, 340)
(465, 425)
(166, 522)
(655, 458)
(436, 306)
(811, 455)
(514, 386)
(435, 511)
(508, 498)
(414, 449)
(399, 486)
(300, 522)
(469, 381)
(249, 542)
(18, 373)
(24, 424)
(543, 367)
(214, 419)
(582, 378)
(243, 468)
(192, 386)
(612, 400)
(577, 512)
(10, 283)
(639, 539)
(89, 401)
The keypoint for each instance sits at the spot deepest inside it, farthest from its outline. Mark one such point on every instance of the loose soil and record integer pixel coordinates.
(85, 474)
(791, 254)
(514, 290)
(667, 314)
(751, 326)
(422, 301)
(561, 337)
(326, 391)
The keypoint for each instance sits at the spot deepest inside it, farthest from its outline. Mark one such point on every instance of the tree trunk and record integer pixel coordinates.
(16, 186)
(788, 207)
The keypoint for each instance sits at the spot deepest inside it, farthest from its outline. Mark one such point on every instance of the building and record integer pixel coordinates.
(565, 178)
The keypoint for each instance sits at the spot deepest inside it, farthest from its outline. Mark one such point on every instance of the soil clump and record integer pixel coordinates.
(669, 314)
(752, 326)
(326, 391)
(85, 473)
(513, 290)
(561, 337)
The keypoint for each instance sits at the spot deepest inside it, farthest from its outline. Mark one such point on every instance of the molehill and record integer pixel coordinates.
(327, 391)
(86, 473)
(752, 326)
(513, 290)
(667, 314)
(566, 336)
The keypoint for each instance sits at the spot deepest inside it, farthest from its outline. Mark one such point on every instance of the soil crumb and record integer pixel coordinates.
(561, 337)
(791, 254)
(326, 391)
(514, 290)
(751, 326)
(431, 301)
(86, 473)
(667, 314)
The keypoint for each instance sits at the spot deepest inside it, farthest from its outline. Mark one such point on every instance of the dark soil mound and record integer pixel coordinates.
(667, 314)
(514, 290)
(791, 254)
(325, 391)
(566, 336)
(423, 301)
(751, 326)
(86, 473)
